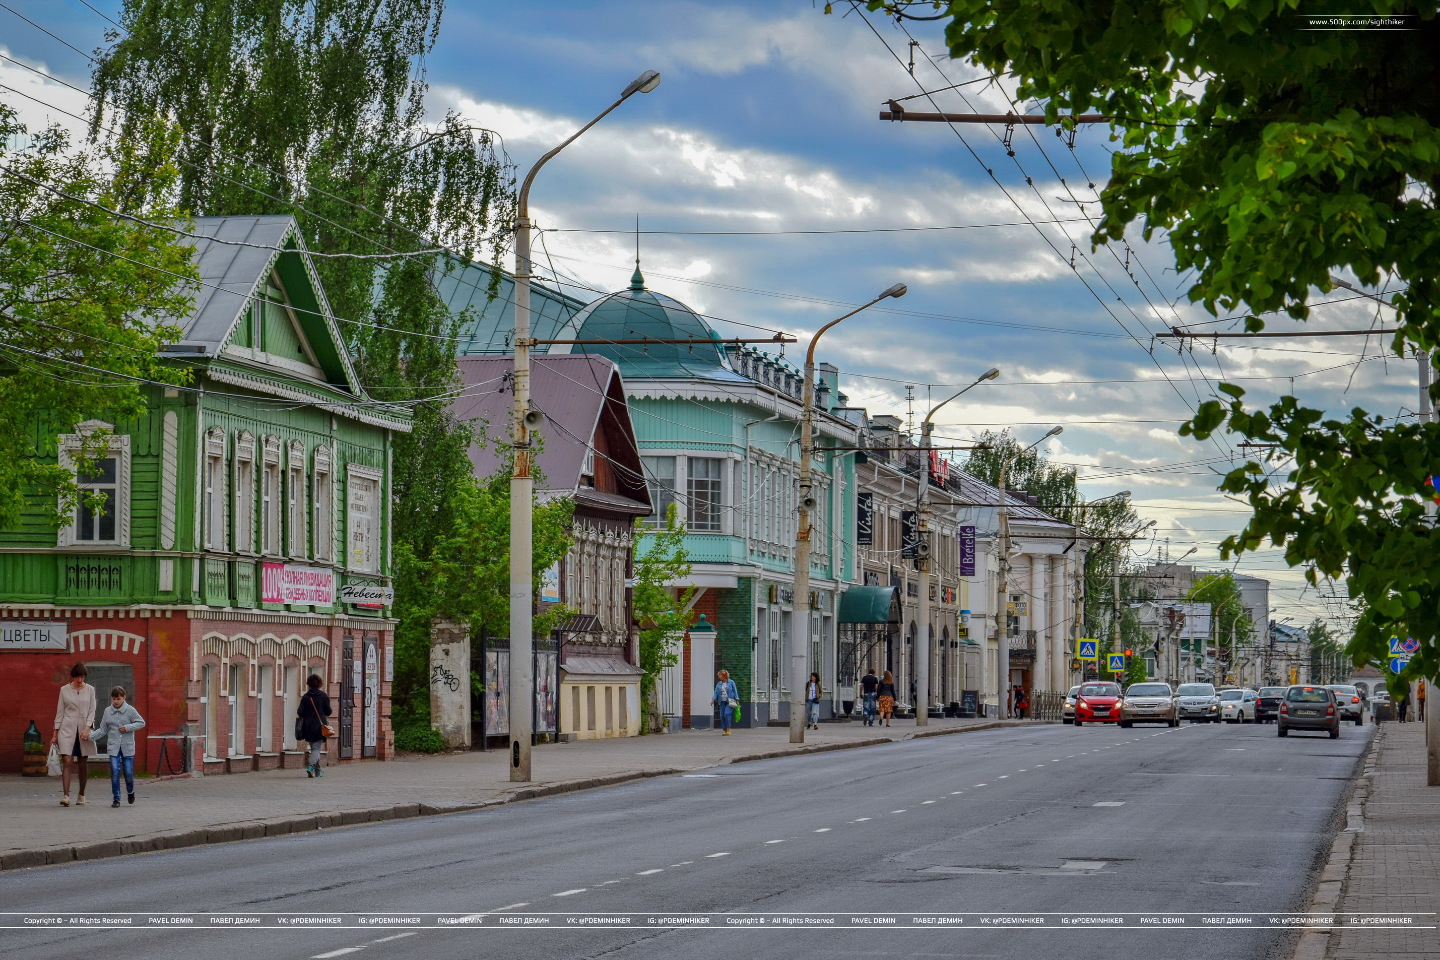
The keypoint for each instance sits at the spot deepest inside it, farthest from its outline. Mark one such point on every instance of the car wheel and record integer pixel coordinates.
(1066, 720)
(1079, 722)
(1360, 721)
(1125, 724)
(1175, 722)
(1335, 732)
(1280, 730)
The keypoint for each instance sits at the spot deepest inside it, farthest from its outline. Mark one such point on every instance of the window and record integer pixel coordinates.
(237, 691)
(660, 478)
(245, 493)
(215, 492)
(295, 502)
(101, 517)
(324, 505)
(270, 504)
(363, 519)
(703, 491)
(265, 681)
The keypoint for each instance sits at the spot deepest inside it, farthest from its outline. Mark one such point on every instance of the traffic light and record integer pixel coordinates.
(1129, 654)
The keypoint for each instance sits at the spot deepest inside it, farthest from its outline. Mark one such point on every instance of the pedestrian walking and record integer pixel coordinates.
(726, 698)
(73, 715)
(1420, 701)
(117, 727)
(886, 696)
(1402, 705)
(310, 725)
(812, 701)
(868, 696)
(1022, 702)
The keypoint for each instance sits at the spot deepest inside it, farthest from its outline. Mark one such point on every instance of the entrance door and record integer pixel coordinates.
(371, 722)
(347, 698)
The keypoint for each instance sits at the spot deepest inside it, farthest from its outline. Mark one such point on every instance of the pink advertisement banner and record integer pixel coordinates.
(297, 584)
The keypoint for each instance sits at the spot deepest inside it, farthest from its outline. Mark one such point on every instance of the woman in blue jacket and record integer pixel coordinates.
(727, 698)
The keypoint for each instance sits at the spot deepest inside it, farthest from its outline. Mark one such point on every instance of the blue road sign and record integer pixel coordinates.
(1395, 646)
(1117, 662)
(1410, 645)
(1398, 664)
(1089, 649)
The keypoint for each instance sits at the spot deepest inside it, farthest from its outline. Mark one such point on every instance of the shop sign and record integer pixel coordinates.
(298, 584)
(34, 635)
(967, 551)
(372, 596)
(865, 519)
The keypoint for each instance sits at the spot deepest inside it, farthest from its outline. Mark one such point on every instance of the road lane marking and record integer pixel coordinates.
(1003, 776)
(1109, 803)
(923, 802)
(982, 784)
(956, 793)
(774, 841)
(646, 873)
(823, 830)
(397, 936)
(897, 811)
(862, 819)
(513, 906)
(712, 856)
(337, 953)
(608, 882)
(682, 863)
(1021, 770)
(570, 893)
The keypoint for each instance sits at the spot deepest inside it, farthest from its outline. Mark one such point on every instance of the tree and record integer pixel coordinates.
(1272, 157)
(467, 579)
(318, 109)
(1230, 620)
(85, 296)
(660, 560)
(1328, 663)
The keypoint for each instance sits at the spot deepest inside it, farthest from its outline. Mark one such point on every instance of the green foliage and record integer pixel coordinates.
(1230, 618)
(416, 736)
(318, 109)
(1328, 660)
(465, 578)
(83, 297)
(1272, 158)
(660, 560)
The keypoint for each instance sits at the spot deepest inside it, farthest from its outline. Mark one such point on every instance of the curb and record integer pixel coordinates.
(1314, 944)
(282, 826)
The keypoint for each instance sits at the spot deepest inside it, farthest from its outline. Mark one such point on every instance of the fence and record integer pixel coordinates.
(1046, 705)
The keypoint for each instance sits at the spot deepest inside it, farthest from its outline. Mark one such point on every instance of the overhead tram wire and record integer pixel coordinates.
(971, 150)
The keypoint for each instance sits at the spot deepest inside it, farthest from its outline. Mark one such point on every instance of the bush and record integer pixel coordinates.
(416, 736)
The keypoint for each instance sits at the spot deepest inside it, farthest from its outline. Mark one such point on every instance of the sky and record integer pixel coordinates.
(769, 194)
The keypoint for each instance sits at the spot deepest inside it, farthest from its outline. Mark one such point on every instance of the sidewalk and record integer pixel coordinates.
(1387, 860)
(185, 812)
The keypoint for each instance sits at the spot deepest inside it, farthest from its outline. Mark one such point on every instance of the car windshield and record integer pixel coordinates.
(1308, 695)
(1148, 690)
(1196, 690)
(1343, 688)
(1231, 694)
(1272, 691)
(1100, 690)
(1073, 691)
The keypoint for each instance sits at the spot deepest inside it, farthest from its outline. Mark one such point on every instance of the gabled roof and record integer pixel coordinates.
(581, 395)
(234, 257)
(466, 287)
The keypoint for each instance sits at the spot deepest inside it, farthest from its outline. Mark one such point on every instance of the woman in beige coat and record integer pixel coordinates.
(73, 716)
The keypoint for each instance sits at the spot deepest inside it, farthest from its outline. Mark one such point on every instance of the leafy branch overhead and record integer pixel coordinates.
(1271, 157)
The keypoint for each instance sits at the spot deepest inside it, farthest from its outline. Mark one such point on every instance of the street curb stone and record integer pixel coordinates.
(284, 826)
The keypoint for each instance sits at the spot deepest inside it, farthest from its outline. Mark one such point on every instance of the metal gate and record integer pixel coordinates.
(347, 698)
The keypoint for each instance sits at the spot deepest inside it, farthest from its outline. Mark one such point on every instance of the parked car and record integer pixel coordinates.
(1067, 712)
(1267, 703)
(1198, 703)
(1349, 701)
(1237, 705)
(1098, 702)
(1308, 708)
(1149, 702)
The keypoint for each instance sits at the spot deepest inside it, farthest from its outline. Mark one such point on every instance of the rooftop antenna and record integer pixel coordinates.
(910, 408)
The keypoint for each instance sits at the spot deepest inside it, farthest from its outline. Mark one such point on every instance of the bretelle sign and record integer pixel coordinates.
(297, 584)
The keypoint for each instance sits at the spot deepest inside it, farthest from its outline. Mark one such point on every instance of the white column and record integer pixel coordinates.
(1040, 619)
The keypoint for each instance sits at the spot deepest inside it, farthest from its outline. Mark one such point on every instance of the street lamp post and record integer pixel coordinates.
(522, 483)
(800, 636)
(922, 556)
(1002, 549)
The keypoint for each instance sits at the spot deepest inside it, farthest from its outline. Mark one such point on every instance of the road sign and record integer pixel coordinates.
(1116, 661)
(1410, 645)
(1395, 646)
(1089, 649)
(1398, 664)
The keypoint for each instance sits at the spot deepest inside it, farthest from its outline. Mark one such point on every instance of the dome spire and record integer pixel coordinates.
(637, 279)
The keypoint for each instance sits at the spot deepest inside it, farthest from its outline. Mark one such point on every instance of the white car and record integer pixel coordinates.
(1237, 705)
(1198, 703)
(1348, 702)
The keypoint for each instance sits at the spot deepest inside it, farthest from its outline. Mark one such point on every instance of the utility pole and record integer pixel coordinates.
(1432, 724)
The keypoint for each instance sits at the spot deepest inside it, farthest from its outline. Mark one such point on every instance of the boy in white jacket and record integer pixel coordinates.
(118, 726)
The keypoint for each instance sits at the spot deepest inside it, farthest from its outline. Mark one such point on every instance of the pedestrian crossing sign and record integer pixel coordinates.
(1089, 650)
(1395, 646)
(1117, 662)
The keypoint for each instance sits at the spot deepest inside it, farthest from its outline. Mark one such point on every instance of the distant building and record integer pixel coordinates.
(245, 542)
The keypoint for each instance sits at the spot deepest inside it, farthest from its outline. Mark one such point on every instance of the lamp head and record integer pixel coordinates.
(644, 83)
(1120, 496)
(898, 290)
(1054, 432)
(990, 374)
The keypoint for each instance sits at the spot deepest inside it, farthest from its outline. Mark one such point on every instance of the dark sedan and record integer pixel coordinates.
(1308, 708)
(1267, 704)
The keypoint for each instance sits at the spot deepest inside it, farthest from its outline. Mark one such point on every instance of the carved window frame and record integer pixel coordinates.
(117, 446)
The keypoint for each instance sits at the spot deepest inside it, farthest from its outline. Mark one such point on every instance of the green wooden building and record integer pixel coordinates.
(245, 543)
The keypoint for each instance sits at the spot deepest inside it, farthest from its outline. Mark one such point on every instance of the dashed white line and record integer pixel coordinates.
(823, 830)
(897, 811)
(982, 784)
(861, 819)
(682, 863)
(774, 841)
(337, 953)
(923, 802)
(397, 936)
(608, 882)
(513, 906)
(712, 856)
(956, 793)
(570, 893)
(1021, 770)
(646, 873)
(1003, 776)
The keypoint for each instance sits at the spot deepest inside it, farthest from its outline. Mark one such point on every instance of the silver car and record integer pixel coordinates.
(1067, 713)
(1149, 702)
(1198, 703)
(1348, 702)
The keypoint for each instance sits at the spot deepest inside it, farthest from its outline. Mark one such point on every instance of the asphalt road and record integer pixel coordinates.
(1199, 823)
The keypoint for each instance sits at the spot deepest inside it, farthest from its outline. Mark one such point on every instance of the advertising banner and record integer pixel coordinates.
(298, 584)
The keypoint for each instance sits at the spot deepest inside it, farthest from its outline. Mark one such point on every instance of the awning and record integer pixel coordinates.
(870, 605)
(968, 642)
